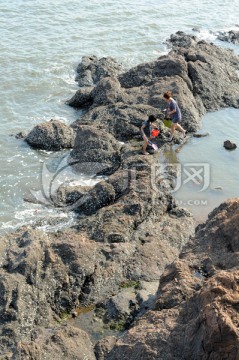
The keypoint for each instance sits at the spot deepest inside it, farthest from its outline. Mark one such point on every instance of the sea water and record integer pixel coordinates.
(208, 172)
(41, 44)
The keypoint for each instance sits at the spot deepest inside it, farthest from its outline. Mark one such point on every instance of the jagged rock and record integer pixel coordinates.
(230, 36)
(144, 74)
(212, 71)
(205, 325)
(91, 70)
(82, 98)
(104, 346)
(120, 309)
(70, 195)
(120, 120)
(108, 91)
(202, 77)
(52, 135)
(229, 145)
(101, 195)
(95, 152)
(182, 40)
(129, 228)
(60, 343)
(195, 314)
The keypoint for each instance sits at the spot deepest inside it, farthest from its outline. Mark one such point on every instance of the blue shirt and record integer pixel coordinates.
(174, 106)
(148, 128)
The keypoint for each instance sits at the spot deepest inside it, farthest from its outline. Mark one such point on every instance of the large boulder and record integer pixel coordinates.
(52, 135)
(82, 98)
(229, 36)
(121, 120)
(202, 77)
(101, 195)
(196, 308)
(182, 40)
(166, 65)
(65, 342)
(152, 94)
(95, 152)
(108, 91)
(203, 327)
(213, 72)
(92, 69)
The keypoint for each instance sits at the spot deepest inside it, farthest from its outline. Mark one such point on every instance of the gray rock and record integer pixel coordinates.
(120, 308)
(59, 343)
(207, 62)
(108, 91)
(101, 195)
(229, 145)
(95, 152)
(166, 65)
(182, 40)
(121, 120)
(69, 195)
(82, 98)
(229, 36)
(194, 296)
(21, 135)
(104, 346)
(91, 70)
(52, 135)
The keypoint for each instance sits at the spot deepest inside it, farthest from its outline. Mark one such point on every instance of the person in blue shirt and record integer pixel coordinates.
(146, 130)
(174, 112)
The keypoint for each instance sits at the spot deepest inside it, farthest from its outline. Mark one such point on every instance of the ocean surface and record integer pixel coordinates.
(41, 44)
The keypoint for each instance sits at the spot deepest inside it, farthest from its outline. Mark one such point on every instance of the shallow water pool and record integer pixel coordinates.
(208, 173)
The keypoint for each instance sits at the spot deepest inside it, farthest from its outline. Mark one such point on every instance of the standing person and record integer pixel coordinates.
(173, 109)
(146, 130)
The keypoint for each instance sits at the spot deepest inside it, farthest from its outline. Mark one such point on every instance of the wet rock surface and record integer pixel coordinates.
(229, 145)
(229, 36)
(132, 256)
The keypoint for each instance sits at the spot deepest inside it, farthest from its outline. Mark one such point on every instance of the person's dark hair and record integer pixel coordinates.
(168, 95)
(152, 118)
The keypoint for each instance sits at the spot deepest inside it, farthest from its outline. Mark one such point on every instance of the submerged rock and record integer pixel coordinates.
(200, 135)
(229, 145)
(53, 135)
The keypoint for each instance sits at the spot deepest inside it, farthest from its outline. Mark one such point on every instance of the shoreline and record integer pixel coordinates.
(131, 241)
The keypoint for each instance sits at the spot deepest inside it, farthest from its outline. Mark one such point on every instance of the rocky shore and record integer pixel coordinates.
(133, 257)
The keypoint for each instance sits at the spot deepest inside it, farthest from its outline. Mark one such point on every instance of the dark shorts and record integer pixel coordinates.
(176, 121)
(146, 133)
